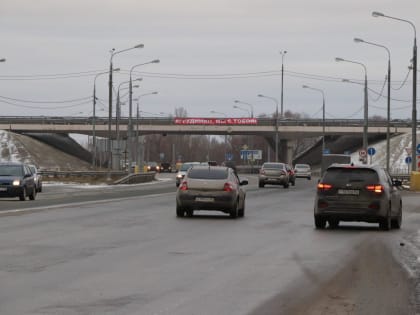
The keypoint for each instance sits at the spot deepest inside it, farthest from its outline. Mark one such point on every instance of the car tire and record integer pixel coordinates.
(190, 213)
(293, 183)
(396, 222)
(180, 212)
(32, 196)
(385, 223)
(40, 188)
(333, 223)
(320, 222)
(22, 196)
(241, 212)
(261, 184)
(234, 211)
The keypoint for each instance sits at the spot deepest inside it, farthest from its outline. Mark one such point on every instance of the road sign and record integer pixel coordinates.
(371, 151)
(251, 154)
(327, 151)
(362, 153)
(408, 160)
(229, 156)
(418, 148)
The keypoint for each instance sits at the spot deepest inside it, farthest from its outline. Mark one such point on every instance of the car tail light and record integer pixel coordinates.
(183, 186)
(228, 187)
(379, 189)
(323, 186)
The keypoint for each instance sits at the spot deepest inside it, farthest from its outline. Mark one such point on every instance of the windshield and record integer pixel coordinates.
(11, 170)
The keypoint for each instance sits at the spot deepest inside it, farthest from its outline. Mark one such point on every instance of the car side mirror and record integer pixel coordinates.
(243, 182)
(397, 183)
(27, 175)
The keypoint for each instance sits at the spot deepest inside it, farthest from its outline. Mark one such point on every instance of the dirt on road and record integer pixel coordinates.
(372, 283)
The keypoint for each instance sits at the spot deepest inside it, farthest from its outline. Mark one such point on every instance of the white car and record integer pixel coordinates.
(303, 170)
(183, 170)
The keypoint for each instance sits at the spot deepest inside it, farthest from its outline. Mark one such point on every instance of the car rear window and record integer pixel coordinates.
(208, 173)
(274, 165)
(348, 175)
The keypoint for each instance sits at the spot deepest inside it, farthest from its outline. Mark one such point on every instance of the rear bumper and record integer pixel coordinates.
(219, 203)
(280, 180)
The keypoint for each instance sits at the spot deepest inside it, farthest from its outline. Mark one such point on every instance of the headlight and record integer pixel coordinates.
(16, 182)
(178, 176)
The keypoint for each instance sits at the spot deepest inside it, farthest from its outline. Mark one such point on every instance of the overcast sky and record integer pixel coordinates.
(211, 51)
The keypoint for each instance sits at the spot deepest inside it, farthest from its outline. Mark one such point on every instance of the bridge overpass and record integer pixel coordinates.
(289, 129)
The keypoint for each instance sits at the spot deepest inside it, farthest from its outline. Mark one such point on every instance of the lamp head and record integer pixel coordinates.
(377, 14)
(260, 95)
(358, 40)
(116, 70)
(136, 86)
(139, 46)
(236, 101)
(155, 61)
(154, 93)
(345, 80)
(338, 59)
(305, 86)
(2, 59)
(138, 79)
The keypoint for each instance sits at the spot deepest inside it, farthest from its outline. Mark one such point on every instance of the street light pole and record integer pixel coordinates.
(141, 155)
(414, 111)
(277, 124)
(282, 53)
(250, 105)
(130, 124)
(365, 105)
(94, 117)
(323, 114)
(113, 53)
(388, 118)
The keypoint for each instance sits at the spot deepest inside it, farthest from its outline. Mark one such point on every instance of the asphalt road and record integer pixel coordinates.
(121, 250)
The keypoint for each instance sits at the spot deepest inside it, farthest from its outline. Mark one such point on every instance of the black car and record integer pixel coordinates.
(16, 180)
(349, 192)
(165, 167)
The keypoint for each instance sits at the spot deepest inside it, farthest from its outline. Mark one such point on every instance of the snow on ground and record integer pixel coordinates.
(398, 153)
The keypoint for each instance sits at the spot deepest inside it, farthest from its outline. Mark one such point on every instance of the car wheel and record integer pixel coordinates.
(385, 223)
(286, 185)
(261, 184)
(180, 212)
(190, 213)
(320, 222)
(241, 212)
(333, 223)
(293, 183)
(40, 188)
(33, 194)
(234, 211)
(22, 196)
(396, 223)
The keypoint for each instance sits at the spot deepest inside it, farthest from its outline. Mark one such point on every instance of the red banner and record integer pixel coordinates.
(216, 121)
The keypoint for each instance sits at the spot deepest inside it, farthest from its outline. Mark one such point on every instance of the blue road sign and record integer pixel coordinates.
(327, 151)
(371, 151)
(418, 149)
(229, 156)
(408, 160)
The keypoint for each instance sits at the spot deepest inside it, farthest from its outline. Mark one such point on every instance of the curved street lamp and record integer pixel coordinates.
(414, 110)
(139, 146)
(130, 123)
(365, 106)
(277, 124)
(388, 117)
(245, 103)
(323, 113)
(113, 53)
(94, 116)
(243, 109)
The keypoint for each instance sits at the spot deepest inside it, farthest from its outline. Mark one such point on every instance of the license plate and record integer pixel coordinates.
(3, 189)
(204, 199)
(352, 192)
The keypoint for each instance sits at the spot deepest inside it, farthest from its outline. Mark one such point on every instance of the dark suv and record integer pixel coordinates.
(347, 192)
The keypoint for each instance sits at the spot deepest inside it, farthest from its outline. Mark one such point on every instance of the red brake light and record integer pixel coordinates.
(323, 186)
(184, 186)
(379, 189)
(228, 187)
